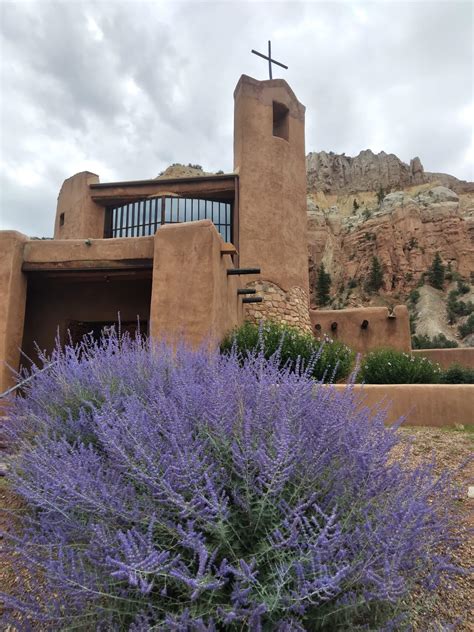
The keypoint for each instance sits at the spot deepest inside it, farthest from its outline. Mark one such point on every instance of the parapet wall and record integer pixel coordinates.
(420, 404)
(365, 329)
(446, 357)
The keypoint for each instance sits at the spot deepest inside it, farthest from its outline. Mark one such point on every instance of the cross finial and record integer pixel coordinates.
(270, 60)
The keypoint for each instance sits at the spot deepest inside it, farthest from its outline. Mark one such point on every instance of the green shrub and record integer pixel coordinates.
(293, 344)
(414, 296)
(467, 328)
(457, 374)
(387, 366)
(458, 308)
(463, 288)
(437, 342)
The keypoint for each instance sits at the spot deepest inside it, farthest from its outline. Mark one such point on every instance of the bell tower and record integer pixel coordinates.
(269, 156)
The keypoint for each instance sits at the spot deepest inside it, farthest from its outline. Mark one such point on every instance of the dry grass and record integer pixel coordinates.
(452, 605)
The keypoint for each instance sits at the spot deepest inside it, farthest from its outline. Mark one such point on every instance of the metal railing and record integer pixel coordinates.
(143, 217)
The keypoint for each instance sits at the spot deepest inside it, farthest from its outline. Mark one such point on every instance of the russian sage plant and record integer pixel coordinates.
(186, 490)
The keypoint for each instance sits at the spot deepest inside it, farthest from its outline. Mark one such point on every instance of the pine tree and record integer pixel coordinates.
(355, 205)
(323, 286)
(380, 195)
(375, 280)
(436, 273)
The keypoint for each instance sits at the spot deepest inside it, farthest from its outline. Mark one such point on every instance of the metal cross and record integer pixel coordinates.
(270, 60)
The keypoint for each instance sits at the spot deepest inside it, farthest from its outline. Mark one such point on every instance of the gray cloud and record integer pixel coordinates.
(124, 89)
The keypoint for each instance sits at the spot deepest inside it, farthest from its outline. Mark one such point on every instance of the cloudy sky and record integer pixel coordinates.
(123, 89)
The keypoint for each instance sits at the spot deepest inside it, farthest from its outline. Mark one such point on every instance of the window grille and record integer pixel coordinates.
(143, 217)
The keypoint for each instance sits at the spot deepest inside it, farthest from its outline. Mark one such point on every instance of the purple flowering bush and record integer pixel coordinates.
(189, 491)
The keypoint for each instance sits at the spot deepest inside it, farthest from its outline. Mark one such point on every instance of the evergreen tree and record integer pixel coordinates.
(375, 280)
(436, 273)
(380, 195)
(355, 205)
(323, 286)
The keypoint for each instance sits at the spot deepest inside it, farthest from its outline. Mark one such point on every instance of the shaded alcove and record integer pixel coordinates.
(82, 303)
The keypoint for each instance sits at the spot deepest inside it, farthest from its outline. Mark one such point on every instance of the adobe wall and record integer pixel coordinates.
(272, 188)
(347, 325)
(422, 404)
(446, 357)
(83, 218)
(13, 285)
(193, 298)
(52, 303)
(77, 250)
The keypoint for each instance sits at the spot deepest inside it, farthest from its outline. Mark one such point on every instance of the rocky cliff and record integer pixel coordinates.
(376, 205)
(338, 173)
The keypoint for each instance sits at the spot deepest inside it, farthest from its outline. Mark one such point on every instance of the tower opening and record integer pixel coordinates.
(281, 120)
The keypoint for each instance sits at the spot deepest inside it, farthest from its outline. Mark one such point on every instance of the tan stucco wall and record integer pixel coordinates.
(422, 404)
(70, 250)
(12, 303)
(53, 302)
(83, 218)
(446, 357)
(272, 184)
(382, 331)
(193, 298)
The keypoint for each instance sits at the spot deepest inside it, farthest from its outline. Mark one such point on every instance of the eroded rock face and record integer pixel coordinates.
(336, 173)
(404, 232)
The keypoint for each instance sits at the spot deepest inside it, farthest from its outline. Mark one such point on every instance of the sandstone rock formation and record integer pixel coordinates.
(338, 173)
(404, 232)
(330, 172)
(178, 170)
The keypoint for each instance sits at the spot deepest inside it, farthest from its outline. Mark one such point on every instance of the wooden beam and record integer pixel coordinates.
(89, 265)
(116, 195)
(228, 249)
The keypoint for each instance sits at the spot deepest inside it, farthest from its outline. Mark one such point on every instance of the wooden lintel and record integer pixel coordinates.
(220, 190)
(89, 265)
(228, 249)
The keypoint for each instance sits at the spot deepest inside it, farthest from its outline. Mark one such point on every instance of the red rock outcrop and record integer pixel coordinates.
(404, 232)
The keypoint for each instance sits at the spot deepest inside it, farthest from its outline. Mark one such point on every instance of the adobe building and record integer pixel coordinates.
(183, 257)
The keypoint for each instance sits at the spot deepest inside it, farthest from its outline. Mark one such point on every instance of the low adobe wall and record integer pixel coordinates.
(421, 404)
(365, 329)
(446, 357)
(193, 298)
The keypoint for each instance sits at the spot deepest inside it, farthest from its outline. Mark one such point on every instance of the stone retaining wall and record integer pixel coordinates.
(291, 308)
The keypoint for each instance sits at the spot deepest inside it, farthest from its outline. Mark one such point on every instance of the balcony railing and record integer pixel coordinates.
(143, 217)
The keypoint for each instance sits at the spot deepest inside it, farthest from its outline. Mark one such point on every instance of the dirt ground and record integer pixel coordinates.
(451, 606)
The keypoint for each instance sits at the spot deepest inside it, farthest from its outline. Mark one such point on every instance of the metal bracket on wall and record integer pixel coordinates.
(255, 299)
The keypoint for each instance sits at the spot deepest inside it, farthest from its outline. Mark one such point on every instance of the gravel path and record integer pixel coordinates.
(452, 605)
